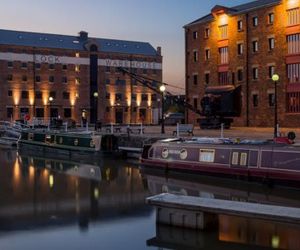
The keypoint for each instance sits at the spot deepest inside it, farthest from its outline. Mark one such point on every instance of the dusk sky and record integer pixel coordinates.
(159, 22)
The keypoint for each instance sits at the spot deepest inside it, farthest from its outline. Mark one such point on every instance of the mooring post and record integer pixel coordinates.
(141, 132)
(222, 130)
(177, 130)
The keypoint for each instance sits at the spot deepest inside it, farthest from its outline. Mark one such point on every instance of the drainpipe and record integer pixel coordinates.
(247, 70)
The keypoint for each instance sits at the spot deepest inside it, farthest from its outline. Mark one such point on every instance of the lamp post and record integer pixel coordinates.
(95, 94)
(162, 89)
(275, 79)
(50, 102)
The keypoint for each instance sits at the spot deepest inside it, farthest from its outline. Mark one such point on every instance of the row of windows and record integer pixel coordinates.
(39, 112)
(223, 29)
(223, 51)
(145, 97)
(38, 79)
(39, 94)
(224, 76)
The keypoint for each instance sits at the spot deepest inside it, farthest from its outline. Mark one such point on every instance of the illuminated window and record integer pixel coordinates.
(235, 158)
(293, 71)
(223, 31)
(271, 18)
(293, 102)
(207, 155)
(243, 160)
(240, 48)
(207, 33)
(255, 21)
(223, 53)
(293, 16)
(271, 43)
(77, 54)
(77, 80)
(77, 68)
(207, 54)
(254, 46)
(293, 42)
(240, 25)
(255, 73)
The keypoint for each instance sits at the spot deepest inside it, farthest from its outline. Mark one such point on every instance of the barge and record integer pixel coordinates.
(250, 159)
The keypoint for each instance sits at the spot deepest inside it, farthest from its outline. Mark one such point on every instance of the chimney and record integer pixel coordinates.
(158, 50)
(83, 35)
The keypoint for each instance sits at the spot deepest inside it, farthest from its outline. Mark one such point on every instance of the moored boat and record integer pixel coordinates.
(253, 159)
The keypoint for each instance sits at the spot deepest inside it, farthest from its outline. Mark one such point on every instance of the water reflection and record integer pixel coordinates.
(37, 191)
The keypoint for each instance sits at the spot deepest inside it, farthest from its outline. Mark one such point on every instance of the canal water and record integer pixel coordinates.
(56, 203)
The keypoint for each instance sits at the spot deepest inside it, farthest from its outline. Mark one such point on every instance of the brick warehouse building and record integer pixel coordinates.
(47, 75)
(245, 45)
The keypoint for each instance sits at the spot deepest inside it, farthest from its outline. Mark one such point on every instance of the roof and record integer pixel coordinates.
(235, 10)
(44, 40)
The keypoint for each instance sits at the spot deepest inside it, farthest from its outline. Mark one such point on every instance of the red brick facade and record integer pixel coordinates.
(256, 45)
(29, 75)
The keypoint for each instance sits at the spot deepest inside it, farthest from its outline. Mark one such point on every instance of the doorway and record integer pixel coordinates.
(119, 116)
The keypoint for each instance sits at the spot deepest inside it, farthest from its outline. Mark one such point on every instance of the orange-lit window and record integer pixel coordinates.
(223, 78)
(271, 18)
(293, 16)
(223, 55)
(293, 42)
(293, 102)
(223, 31)
(240, 25)
(195, 55)
(255, 21)
(207, 54)
(240, 48)
(207, 33)
(293, 72)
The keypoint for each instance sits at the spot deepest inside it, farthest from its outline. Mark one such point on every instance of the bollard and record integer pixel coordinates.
(141, 132)
(87, 126)
(222, 130)
(177, 130)
(111, 128)
(66, 126)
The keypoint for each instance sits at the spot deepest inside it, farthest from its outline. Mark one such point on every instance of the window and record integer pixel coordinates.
(271, 43)
(223, 52)
(133, 97)
(153, 97)
(51, 79)
(9, 93)
(255, 21)
(38, 95)
(240, 48)
(10, 64)
(235, 158)
(195, 79)
(223, 78)
(9, 112)
(24, 94)
(255, 73)
(195, 53)
(24, 78)
(120, 82)
(271, 71)
(207, 155)
(64, 79)
(207, 54)
(293, 16)
(271, 99)
(243, 160)
(195, 34)
(107, 69)
(207, 33)
(145, 71)
(293, 42)
(77, 68)
(77, 80)
(37, 78)
(107, 96)
(240, 75)
(223, 31)
(39, 112)
(118, 97)
(24, 65)
(240, 25)
(37, 66)
(9, 77)
(107, 109)
(51, 66)
(195, 103)
(67, 113)
(293, 71)
(207, 78)
(254, 46)
(255, 100)
(144, 97)
(293, 102)
(66, 95)
(271, 18)
(64, 67)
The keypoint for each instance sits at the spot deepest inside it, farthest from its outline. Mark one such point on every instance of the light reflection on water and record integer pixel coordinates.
(52, 203)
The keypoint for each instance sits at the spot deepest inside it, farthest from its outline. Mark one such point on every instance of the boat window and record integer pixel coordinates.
(243, 161)
(207, 155)
(48, 139)
(30, 136)
(235, 158)
(76, 142)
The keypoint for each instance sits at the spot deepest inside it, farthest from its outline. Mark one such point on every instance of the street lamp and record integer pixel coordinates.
(50, 102)
(95, 94)
(275, 79)
(162, 89)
